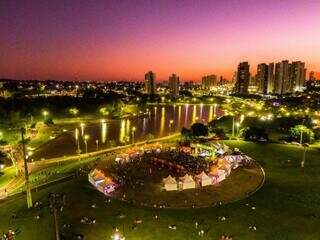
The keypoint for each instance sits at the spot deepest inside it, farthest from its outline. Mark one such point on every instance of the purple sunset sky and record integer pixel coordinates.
(121, 40)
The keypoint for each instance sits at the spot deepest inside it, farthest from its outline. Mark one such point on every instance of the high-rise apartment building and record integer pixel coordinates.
(265, 78)
(312, 76)
(282, 77)
(150, 82)
(243, 77)
(262, 77)
(174, 85)
(270, 87)
(297, 76)
(209, 81)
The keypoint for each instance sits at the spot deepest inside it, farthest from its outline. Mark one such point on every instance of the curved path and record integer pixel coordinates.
(15, 186)
(240, 184)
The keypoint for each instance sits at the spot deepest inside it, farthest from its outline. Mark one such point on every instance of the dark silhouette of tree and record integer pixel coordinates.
(199, 129)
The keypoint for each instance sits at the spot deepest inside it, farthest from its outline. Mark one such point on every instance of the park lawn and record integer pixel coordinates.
(7, 175)
(236, 186)
(287, 206)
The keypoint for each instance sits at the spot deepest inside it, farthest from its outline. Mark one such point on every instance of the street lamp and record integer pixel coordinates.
(304, 155)
(73, 111)
(238, 125)
(97, 144)
(233, 124)
(82, 125)
(76, 135)
(45, 114)
(301, 134)
(86, 138)
(117, 235)
(170, 126)
(133, 131)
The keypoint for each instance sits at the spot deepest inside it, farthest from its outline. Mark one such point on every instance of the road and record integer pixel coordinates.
(16, 185)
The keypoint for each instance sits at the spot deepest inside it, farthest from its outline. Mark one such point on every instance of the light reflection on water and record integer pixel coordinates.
(120, 131)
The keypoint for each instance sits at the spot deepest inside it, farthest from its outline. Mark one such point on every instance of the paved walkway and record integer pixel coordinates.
(18, 182)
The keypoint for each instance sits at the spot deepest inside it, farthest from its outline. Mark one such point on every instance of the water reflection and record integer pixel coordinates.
(103, 132)
(179, 116)
(162, 120)
(122, 133)
(119, 131)
(194, 114)
(210, 113)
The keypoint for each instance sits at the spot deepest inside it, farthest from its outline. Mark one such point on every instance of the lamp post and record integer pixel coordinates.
(82, 125)
(170, 126)
(57, 201)
(304, 155)
(233, 123)
(45, 114)
(133, 131)
(76, 134)
(238, 125)
(97, 144)
(26, 173)
(301, 135)
(86, 138)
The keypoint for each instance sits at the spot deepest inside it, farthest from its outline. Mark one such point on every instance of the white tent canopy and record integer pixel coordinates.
(204, 179)
(170, 184)
(188, 182)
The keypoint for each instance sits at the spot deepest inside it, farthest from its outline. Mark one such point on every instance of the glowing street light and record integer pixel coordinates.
(76, 135)
(170, 126)
(73, 111)
(237, 125)
(97, 144)
(117, 235)
(82, 125)
(86, 138)
(104, 111)
(133, 131)
(45, 114)
(301, 134)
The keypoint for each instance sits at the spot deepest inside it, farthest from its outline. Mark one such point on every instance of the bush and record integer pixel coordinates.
(199, 129)
(219, 132)
(224, 123)
(49, 121)
(255, 134)
(186, 133)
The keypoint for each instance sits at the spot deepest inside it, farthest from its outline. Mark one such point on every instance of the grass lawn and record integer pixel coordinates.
(7, 175)
(241, 182)
(287, 207)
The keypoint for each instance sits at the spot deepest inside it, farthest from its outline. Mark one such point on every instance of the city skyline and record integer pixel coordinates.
(112, 41)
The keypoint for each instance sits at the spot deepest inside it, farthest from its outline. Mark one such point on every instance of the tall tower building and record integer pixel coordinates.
(270, 88)
(297, 76)
(150, 82)
(174, 85)
(282, 73)
(312, 76)
(243, 77)
(209, 81)
(262, 77)
(234, 77)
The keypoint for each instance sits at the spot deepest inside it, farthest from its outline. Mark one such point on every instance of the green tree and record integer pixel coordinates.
(255, 134)
(301, 133)
(224, 122)
(186, 133)
(199, 129)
